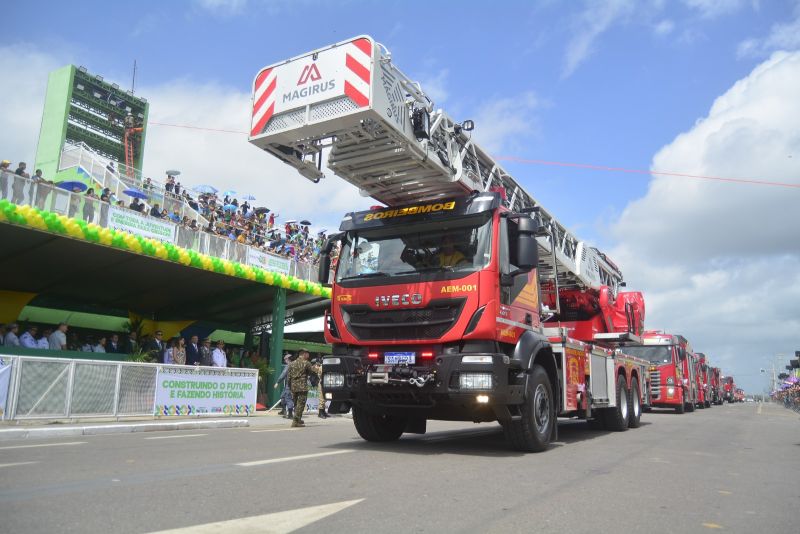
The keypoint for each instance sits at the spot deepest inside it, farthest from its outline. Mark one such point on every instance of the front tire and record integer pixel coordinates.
(377, 427)
(531, 433)
(616, 418)
(634, 405)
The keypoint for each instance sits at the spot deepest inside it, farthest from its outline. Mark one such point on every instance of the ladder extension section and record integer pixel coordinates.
(349, 106)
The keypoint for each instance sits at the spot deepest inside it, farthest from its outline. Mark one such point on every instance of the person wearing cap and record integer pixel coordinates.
(11, 339)
(287, 404)
(28, 339)
(218, 357)
(205, 353)
(58, 339)
(298, 380)
(4, 175)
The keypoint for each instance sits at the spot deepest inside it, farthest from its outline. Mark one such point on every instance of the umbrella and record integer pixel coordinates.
(71, 185)
(230, 207)
(230, 193)
(174, 173)
(304, 222)
(248, 197)
(135, 193)
(262, 210)
(290, 221)
(205, 189)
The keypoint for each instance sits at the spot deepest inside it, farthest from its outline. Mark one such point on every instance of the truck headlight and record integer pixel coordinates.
(332, 380)
(671, 381)
(670, 391)
(475, 381)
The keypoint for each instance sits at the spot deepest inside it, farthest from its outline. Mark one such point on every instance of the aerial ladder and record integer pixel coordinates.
(132, 129)
(348, 106)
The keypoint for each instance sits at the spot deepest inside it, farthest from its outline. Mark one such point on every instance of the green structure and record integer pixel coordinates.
(82, 108)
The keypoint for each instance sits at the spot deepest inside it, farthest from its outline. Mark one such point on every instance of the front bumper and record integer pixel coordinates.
(432, 390)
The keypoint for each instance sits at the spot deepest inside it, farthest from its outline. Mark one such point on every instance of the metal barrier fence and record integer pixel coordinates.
(55, 388)
(44, 196)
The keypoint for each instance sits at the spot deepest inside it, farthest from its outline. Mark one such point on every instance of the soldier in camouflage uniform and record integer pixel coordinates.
(298, 381)
(321, 396)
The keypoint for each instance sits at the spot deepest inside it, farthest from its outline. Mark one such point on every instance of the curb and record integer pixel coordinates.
(98, 430)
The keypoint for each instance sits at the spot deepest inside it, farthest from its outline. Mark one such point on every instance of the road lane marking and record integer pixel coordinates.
(287, 521)
(17, 463)
(275, 430)
(178, 436)
(65, 443)
(292, 458)
(724, 492)
(712, 525)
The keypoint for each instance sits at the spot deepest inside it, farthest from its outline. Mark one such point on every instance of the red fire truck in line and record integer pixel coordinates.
(728, 388)
(716, 385)
(673, 382)
(702, 377)
(462, 299)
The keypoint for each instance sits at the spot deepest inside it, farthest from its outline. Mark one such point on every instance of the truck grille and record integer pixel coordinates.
(655, 384)
(430, 322)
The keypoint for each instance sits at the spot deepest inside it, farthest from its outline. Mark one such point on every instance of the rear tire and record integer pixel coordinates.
(531, 433)
(616, 418)
(378, 427)
(634, 405)
(681, 408)
(689, 405)
(708, 404)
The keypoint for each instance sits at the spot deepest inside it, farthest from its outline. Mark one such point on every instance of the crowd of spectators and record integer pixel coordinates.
(176, 351)
(226, 217)
(789, 397)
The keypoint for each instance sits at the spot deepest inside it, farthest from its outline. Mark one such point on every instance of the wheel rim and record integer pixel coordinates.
(541, 408)
(637, 405)
(623, 403)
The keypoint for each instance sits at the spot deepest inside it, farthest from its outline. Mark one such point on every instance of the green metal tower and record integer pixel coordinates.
(82, 108)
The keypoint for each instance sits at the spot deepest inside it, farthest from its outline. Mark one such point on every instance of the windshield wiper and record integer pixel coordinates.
(365, 275)
(427, 270)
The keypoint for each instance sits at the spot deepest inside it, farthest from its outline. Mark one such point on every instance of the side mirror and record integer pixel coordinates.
(527, 247)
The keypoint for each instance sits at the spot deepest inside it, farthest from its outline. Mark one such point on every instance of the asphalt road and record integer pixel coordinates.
(734, 468)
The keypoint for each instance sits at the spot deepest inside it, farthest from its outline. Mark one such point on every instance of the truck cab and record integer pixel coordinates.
(672, 375)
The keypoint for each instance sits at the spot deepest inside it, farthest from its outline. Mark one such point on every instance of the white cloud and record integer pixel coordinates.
(719, 262)
(502, 122)
(435, 86)
(664, 27)
(715, 8)
(23, 100)
(594, 20)
(223, 8)
(782, 36)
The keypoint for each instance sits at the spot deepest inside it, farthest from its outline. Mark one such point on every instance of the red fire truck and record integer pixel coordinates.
(702, 379)
(673, 383)
(728, 388)
(716, 385)
(463, 298)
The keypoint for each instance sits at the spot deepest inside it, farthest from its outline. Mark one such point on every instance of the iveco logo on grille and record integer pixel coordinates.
(398, 300)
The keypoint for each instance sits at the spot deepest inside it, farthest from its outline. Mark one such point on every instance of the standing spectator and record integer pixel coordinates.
(43, 190)
(101, 345)
(104, 202)
(4, 176)
(136, 206)
(178, 188)
(58, 339)
(156, 348)
(131, 346)
(11, 339)
(218, 356)
(2, 334)
(298, 379)
(17, 195)
(42, 342)
(205, 353)
(113, 345)
(179, 351)
(155, 211)
(193, 352)
(28, 339)
(88, 346)
(170, 349)
(74, 201)
(88, 205)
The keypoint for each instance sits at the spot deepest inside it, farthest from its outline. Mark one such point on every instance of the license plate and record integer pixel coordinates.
(396, 358)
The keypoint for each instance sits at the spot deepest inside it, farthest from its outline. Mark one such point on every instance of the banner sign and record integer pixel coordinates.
(5, 380)
(268, 262)
(134, 223)
(184, 390)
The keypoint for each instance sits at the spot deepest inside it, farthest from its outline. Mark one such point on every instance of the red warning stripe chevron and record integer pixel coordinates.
(358, 75)
(263, 103)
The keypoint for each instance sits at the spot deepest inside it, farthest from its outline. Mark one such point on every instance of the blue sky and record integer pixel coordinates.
(614, 82)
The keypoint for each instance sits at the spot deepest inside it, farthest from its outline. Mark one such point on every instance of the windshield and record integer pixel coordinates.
(653, 354)
(457, 246)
